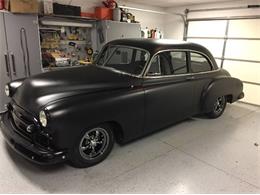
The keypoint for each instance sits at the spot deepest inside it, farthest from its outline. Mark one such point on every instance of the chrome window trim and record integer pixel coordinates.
(177, 75)
(122, 72)
(159, 64)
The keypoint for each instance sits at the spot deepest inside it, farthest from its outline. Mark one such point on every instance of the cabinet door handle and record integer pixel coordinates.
(7, 65)
(13, 63)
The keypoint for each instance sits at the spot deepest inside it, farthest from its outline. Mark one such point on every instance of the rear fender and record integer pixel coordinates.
(224, 86)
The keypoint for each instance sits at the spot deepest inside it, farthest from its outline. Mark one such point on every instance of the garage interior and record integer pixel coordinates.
(197, 155)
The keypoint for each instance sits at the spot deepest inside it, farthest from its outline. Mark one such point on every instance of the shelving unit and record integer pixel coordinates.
(65, 41)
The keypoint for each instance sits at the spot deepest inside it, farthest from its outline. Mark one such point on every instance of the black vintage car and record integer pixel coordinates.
(135, 87)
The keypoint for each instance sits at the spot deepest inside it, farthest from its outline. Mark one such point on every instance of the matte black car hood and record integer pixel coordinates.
(39, 90)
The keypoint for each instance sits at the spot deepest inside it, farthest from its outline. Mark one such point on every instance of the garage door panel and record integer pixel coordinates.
(243, 49)
(245, 71)
(252, 94)
(213, 45)
(242, 45)
(244, 28)
(207, 28)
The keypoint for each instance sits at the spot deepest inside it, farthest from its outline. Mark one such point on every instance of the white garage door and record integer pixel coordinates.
(235, 44)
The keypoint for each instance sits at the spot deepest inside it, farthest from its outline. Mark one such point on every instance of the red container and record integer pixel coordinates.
(104, 13)
(2, 4)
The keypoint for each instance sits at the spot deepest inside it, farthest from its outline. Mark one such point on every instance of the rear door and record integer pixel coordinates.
(168, 90)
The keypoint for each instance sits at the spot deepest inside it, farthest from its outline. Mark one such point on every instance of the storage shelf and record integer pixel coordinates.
(66, 42)
(42, 16)
(49, 29)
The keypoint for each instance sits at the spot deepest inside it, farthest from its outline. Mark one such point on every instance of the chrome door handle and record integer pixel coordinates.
(13, 64)
(190, 78)
(7, 65)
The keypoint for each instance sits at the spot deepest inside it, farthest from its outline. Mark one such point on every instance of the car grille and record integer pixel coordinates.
(21, 120)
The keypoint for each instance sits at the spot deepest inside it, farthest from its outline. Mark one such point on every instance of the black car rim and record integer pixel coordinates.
(219, 105)
(94, 143)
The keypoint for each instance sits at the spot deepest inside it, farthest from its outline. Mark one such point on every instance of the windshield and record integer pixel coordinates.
(123, 58)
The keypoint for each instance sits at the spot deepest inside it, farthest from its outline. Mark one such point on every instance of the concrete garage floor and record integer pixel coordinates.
(196, 156)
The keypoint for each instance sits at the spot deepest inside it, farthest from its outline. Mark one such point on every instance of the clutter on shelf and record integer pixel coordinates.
(65, 46)
(152, 33)
(109, 11)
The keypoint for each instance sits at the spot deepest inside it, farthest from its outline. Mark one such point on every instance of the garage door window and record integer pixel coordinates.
(199, 63)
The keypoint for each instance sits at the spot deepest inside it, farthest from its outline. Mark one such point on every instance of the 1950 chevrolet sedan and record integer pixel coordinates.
(135, 86)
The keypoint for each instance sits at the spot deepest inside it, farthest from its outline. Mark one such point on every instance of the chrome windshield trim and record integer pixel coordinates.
(122, 72)
(184, 50)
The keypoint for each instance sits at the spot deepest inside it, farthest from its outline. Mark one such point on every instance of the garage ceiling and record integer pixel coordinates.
(172, 3)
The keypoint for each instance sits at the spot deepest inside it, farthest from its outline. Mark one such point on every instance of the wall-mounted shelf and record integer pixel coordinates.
(64, 17)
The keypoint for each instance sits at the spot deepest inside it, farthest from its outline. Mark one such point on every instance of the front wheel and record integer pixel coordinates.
(218, 108)
(92, 146)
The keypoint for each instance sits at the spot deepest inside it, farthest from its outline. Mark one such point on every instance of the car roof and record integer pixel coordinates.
(155, 45)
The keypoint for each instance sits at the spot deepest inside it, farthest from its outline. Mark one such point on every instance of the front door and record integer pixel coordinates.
(168, 90)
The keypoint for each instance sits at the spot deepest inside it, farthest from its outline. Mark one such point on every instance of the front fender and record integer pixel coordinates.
(71, 116)
(223, 86)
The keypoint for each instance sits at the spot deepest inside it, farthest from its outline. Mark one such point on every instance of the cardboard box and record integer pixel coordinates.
(24, 6)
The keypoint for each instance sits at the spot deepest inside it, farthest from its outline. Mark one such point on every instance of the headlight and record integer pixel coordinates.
(7, 90)
(43, 118)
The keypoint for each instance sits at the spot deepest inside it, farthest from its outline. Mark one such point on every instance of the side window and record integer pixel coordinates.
(169, 63)
(179, 62)
(155, 69)
(199, 63)
(105, 54)
(141, 56)
(122, 55)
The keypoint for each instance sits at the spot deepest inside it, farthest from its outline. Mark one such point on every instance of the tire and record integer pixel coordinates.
(218, 107)
(92, 146)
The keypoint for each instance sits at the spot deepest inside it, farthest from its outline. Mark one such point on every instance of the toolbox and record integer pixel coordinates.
(68, 10)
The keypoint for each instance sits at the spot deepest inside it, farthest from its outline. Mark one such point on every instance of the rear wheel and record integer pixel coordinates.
(218, 108)
(92, 146)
